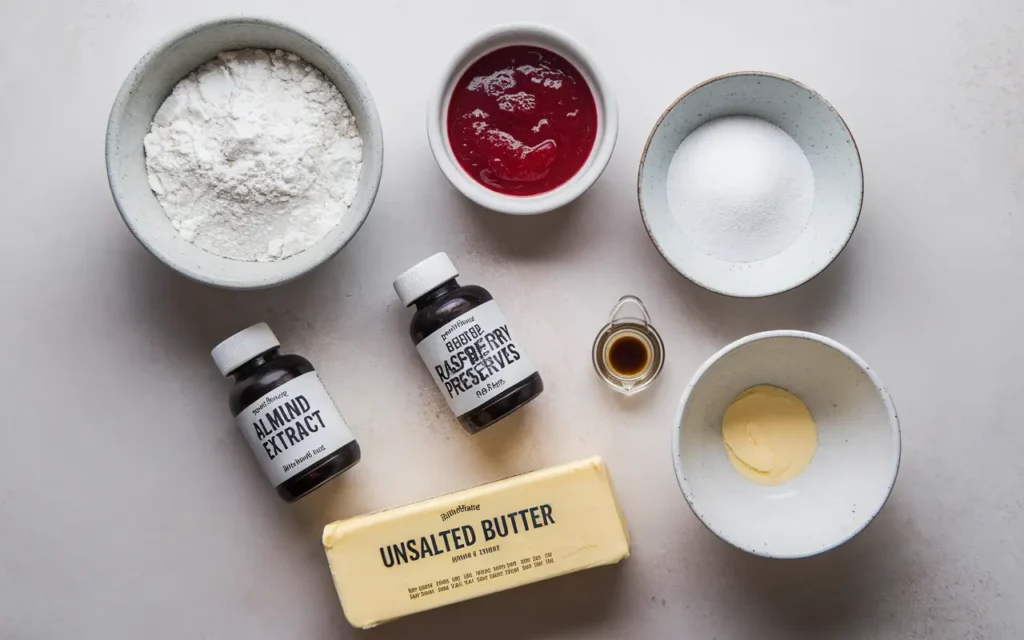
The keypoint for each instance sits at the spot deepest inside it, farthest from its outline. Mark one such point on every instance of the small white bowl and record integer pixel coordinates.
(853, 469)
(825, 140)
(607, 119)
(145, 89)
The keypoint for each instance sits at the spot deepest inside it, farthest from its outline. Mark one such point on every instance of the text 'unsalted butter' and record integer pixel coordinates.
(474, 542)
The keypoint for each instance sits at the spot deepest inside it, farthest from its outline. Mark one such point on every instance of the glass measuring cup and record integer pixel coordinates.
(628, 352)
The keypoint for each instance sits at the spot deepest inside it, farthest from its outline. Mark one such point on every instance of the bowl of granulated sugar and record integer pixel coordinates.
(750, 184)
(243, 153)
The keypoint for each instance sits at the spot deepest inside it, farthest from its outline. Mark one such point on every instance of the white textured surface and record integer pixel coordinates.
(130, 507)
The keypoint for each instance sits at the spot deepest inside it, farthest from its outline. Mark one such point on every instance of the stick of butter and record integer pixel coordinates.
(474, 542)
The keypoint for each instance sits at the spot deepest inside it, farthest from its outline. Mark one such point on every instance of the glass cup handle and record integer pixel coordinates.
(628, 299)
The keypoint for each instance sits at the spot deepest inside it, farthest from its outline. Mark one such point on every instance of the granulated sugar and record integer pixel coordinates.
(254, 156)
(740, 188)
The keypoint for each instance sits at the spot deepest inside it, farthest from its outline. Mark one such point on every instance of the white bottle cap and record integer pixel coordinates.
(243, 347)
(427, 275)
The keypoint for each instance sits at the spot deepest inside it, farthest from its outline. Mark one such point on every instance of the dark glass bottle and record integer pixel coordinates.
(466, 344)
(285, 413)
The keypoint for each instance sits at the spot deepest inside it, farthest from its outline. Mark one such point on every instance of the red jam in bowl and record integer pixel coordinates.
(522, 120)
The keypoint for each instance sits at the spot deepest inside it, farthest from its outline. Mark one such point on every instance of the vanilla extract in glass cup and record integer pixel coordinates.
(628, 352)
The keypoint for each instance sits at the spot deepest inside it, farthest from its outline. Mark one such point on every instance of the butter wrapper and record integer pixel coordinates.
(482, 540)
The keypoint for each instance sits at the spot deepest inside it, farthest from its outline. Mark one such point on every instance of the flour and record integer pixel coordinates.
(254, 156)
(740, 188)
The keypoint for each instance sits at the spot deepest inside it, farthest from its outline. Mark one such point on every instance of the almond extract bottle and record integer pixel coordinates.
(293, 427)
(464, 339)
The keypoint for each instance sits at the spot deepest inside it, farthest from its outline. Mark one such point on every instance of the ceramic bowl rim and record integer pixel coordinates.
(653, 134)
(131, 84)
(505, 35)
(677, 429)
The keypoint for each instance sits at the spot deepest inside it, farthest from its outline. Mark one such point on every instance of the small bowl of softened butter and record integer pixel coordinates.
(786, 444)
(243, 153)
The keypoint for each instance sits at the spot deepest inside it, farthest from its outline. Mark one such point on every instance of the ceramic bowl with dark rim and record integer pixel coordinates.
(823, 137)
(847, 481)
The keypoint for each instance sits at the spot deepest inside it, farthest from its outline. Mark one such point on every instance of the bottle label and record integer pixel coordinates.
(293, 427)
(475, 358)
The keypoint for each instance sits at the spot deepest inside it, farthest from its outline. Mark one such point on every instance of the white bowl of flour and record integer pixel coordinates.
(243, 154)
(750, 184)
